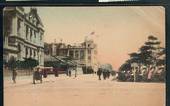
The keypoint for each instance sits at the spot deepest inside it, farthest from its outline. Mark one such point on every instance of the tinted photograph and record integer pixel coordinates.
(84, 56)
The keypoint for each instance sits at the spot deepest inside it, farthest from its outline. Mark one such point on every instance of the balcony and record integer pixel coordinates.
(10, 47)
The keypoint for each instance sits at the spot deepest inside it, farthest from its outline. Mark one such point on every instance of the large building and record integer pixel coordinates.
(84, 53)
(23, 34)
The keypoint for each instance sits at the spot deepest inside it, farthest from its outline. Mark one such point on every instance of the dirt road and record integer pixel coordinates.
(85, 90)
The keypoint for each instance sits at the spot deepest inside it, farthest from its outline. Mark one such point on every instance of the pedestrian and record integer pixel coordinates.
(104, 74)
(69, 72)
(55, 72)
(14, 75)
(108, 74)
(99, 72)
(75, 71)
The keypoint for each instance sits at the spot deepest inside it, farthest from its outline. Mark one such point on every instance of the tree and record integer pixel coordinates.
(125, 71)
(149, 56)
(29, 63)
(126, 66)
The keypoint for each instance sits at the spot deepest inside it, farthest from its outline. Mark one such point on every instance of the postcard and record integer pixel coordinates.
(84, 56)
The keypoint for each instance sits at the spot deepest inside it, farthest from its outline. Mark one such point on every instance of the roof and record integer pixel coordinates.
(49, 58)
(61, 59)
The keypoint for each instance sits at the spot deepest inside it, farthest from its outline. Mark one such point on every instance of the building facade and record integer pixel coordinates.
(84, 53)
(23, 34)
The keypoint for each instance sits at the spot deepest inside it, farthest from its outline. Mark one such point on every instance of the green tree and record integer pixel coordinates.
(148, 56)
(125, 71)
(126, 66)
(29, 63)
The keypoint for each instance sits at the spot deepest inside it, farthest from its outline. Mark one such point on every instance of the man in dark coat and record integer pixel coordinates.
(14, 75)
(104, 74)
(108, 74)
(99, 72)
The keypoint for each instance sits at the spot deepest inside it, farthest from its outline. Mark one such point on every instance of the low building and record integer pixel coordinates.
(23, 34)
(84, 53)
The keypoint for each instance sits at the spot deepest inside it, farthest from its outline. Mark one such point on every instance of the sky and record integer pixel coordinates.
(118, 30)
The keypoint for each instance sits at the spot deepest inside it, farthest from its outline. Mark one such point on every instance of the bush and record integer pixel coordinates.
(121, 76)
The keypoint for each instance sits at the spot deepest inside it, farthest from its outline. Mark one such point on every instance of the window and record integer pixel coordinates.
(11, 40)
(30, 52)
(89, 51)
(19, 47)
(18, 26)
(40, 37)
(30, 34)
(81, 54)
(26, 51)
(76, 54)
(34, 34)
(27, 32)
(71, 53)
(34, 53)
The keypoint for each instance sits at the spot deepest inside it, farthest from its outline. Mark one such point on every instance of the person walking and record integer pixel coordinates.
(75, 72)
(104, 74)
(99, 72)
(69, 72)
(108, 74)
(14, 75)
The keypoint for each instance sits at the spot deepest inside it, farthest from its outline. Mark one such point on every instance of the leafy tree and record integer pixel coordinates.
(125, 71)
(126, 66)
(149, 56)
(29, 63)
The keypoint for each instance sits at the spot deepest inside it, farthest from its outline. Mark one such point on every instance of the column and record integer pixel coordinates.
(42, 58)
(22, 30)
(79, 52)
(68, 52)
(28, 55)
(22, 51)
(74, 54)
(86, 56)
(14, 25)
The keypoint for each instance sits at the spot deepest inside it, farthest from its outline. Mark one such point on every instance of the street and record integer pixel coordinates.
(84, 90)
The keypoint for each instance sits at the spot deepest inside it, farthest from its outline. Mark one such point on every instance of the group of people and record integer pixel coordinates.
(106, 73)
(37, 75)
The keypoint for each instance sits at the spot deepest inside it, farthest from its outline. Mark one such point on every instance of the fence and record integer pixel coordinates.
(20, 72)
